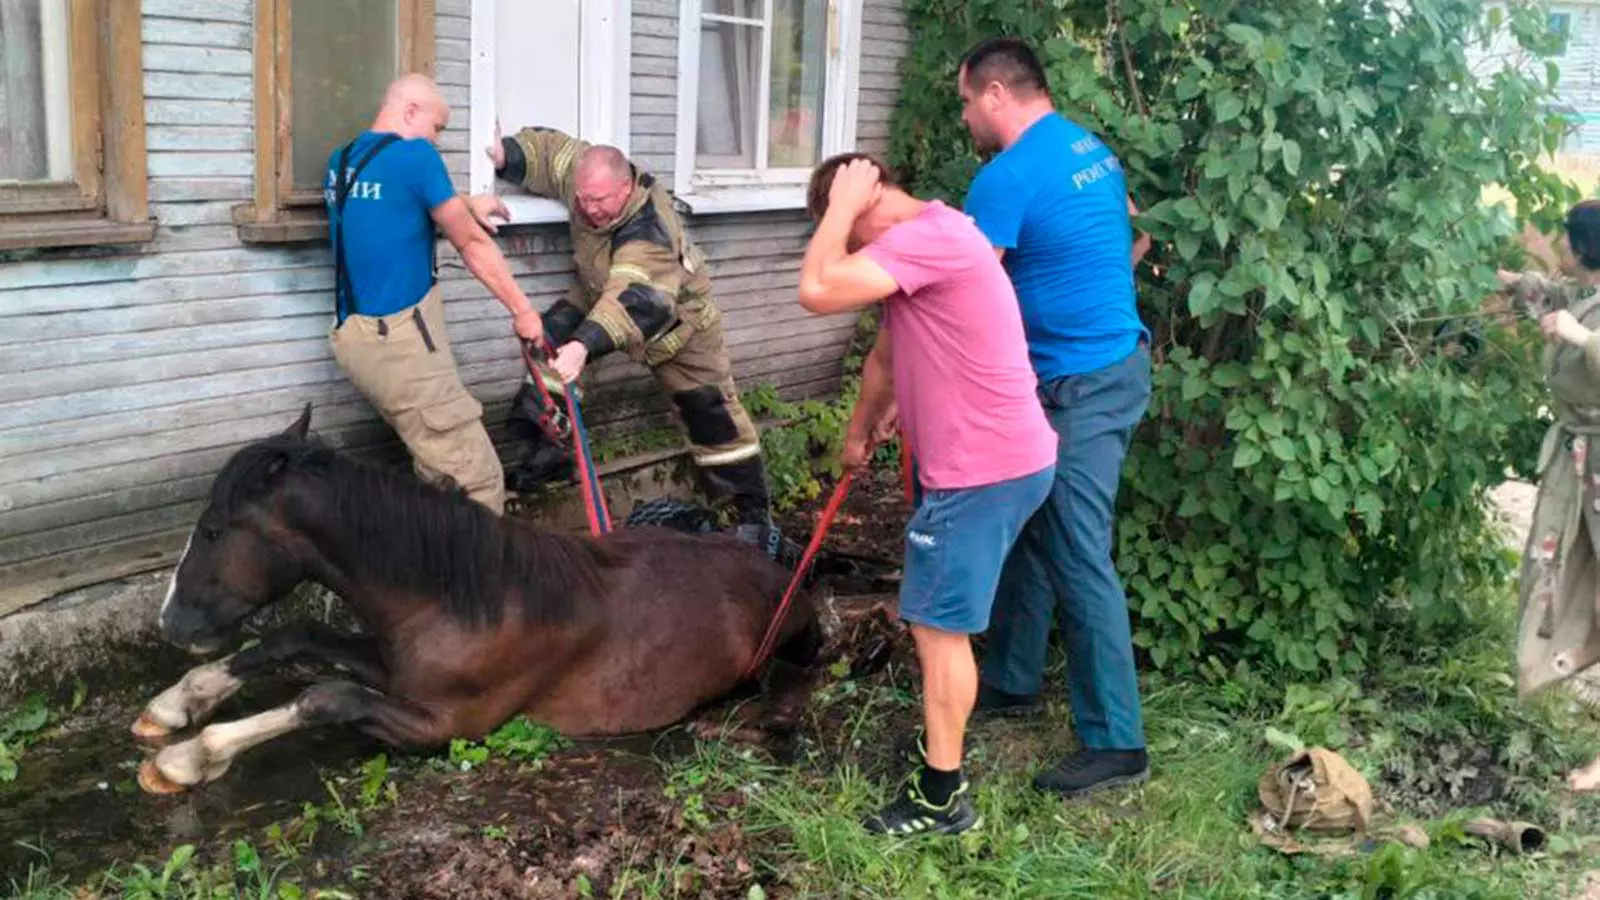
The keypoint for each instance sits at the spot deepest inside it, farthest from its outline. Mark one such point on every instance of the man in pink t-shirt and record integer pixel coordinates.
(951, 360)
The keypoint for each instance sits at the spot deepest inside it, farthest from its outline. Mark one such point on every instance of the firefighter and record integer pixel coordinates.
(642, 289)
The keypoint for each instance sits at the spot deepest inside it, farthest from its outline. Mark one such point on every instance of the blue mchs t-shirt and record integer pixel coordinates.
(1057, 203)
(388, 234)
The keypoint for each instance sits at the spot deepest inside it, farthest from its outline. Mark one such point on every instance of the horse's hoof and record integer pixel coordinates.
(153, 782)
(149, 731)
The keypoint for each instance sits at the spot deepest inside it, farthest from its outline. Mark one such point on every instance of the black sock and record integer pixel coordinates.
(938, 784)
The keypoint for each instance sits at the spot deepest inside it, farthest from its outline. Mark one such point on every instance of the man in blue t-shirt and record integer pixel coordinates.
(386, 191)
(1053, 203)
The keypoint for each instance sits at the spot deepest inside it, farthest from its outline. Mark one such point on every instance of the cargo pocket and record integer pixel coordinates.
(451, 449)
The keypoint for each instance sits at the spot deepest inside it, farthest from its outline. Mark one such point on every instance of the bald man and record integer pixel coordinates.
(386, 191)
(643, 290)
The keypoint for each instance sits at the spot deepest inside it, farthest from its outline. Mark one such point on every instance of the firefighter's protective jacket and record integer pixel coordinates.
(642, 285)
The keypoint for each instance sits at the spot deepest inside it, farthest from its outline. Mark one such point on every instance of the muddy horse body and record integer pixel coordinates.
(469, 618)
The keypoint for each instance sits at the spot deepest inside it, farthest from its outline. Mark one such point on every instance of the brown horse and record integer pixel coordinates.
(468, 618)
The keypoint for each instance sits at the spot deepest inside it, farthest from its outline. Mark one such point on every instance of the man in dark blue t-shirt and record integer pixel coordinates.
(386, 191)
(1054, 204)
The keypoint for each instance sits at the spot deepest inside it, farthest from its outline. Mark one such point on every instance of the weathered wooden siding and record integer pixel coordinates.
(884, 37)
(128, 377)
(1579, 85)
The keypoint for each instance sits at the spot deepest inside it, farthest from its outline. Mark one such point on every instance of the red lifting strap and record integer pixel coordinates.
(829, 513)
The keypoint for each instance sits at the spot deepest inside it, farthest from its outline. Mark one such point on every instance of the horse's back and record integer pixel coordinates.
(682, 617)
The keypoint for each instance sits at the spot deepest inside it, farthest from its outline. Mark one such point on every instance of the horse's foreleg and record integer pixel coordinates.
(208, 755)
(203, 688)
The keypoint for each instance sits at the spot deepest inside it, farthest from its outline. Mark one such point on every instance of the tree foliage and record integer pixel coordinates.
(1330, 402)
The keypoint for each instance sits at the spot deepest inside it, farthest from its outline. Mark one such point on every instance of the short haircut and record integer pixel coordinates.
(822, 180)
(1583, 233)
(1009, 61)
(608, 159)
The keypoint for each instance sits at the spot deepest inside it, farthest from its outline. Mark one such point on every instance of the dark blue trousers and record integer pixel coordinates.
(1061, 564)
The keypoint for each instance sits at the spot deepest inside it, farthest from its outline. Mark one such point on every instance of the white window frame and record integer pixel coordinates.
(603, 86)
(750, 190)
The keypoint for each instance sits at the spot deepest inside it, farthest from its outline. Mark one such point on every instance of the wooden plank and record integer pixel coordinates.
(454, 73)
(879, 81)
(653, 86)
(30, 301)
(189, 86)
(455, 28)
(155, 481)
(87, 379)
(651, 105)
(197, 112)
(191, 189)
(48, 355)
(651, 46)
(268, 368)
(180, 214)
(195, 137)
(656, 66)
(880, 34)
(123, 144)
(653, 124)
(655, 26)
(872, 63)
(47, 518)
(452, 49)
(98, 531)
(200, 10)
(654, 9)
(189, 239)
(166, 58)
(24, 585)
(192, 33)
(199, 164)
(58, 273)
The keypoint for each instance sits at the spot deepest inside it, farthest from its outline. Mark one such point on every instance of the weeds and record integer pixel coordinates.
(27, 724)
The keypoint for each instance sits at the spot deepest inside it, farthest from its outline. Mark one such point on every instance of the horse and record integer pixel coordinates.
(467, 618)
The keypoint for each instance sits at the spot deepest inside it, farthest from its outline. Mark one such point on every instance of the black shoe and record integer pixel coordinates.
(911, 813)
(1088, 771)
(995, 703)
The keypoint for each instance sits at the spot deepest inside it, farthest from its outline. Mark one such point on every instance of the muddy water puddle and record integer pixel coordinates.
(75, 800)
(77, 807)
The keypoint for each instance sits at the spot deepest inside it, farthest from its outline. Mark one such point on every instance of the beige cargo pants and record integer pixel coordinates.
(409, 375)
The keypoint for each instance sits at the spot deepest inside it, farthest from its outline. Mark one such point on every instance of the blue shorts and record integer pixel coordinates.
(956, 544)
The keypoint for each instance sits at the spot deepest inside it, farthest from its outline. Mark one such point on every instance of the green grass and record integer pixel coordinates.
(1185, 834)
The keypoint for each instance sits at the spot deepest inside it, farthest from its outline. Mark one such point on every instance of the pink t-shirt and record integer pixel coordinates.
(965, 388)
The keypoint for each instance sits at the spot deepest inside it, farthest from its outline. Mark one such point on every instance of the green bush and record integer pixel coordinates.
(1330, 403)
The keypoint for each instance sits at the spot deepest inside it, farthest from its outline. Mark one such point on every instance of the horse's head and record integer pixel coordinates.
(236, 560)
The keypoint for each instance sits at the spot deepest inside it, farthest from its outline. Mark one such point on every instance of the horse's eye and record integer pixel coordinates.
(210, 534)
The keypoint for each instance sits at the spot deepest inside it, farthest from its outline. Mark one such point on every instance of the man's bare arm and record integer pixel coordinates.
(484, 260)
(1141, 244)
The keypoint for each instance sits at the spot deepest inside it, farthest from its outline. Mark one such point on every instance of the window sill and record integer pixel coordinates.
(726, 200)
(291, 226)
(27, 233)
(527, 209)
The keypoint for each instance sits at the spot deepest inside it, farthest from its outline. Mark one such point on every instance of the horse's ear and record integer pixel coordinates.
(301, 426)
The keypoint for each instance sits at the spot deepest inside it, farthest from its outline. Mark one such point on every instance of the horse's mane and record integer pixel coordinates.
(417, 537)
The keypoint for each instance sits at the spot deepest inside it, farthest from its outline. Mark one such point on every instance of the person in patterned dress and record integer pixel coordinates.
(1558, 632)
